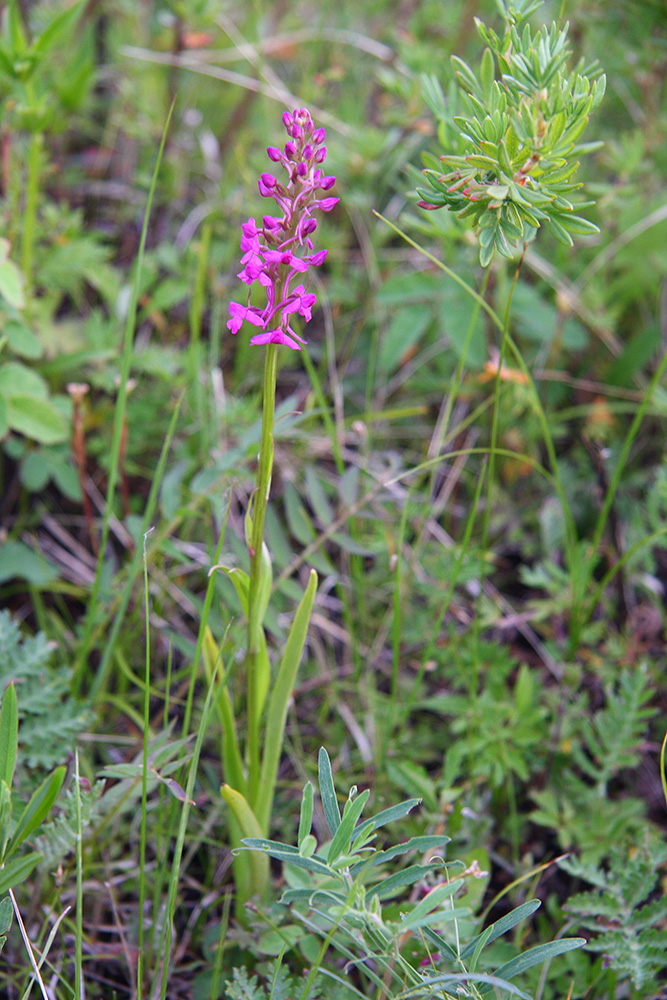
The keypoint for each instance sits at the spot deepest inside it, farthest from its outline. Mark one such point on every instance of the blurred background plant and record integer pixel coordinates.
(442, 661)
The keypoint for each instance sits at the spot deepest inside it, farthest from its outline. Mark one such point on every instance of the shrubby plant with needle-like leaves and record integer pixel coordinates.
(518, 139)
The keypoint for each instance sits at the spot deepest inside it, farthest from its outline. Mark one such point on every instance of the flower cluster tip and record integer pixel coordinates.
(280, 249)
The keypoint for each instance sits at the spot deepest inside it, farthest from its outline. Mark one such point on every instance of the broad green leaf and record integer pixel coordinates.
(15, 871)
(17, 379)
(37, 809)
(283, 686)
(255, 863)
(11, 284)
(9, 735)
(328, 791)
(406, 327)
(18, 560)
(37, 418)
(22, 340)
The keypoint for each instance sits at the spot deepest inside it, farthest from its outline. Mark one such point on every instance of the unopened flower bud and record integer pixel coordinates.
(321, 155)
(326, 204)
(274, 154)
(326, 183)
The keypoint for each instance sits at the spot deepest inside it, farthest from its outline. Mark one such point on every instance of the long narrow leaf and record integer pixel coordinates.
(466, 978)
(425, 843)
(232, 761)
(341, 839)
(9, 735)
(504, 925)
(279, 701)
(258, 861)
(114, 463)
(536, 956)
(384, 817)
(289, 857)
(59, 25)
(306, 814)
(429, 903)
(328, 791)
(440, 944)
(408, 876)
(37, 808)
(15, 871)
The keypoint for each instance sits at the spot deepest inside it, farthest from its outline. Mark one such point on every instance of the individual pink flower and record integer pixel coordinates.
(279, 336)
(238, 313)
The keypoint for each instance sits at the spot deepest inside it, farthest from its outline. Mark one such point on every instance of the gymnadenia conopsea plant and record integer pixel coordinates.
(277, 255)
(517, 138)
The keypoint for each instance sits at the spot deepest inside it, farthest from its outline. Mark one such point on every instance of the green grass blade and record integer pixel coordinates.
(119, 414)
(165, 949)
(144, 780)
(101, 673)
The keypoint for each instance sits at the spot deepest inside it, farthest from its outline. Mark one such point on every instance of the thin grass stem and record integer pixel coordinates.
(119, 417)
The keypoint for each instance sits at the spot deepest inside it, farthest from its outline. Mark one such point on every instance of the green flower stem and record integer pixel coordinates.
(264, 469)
